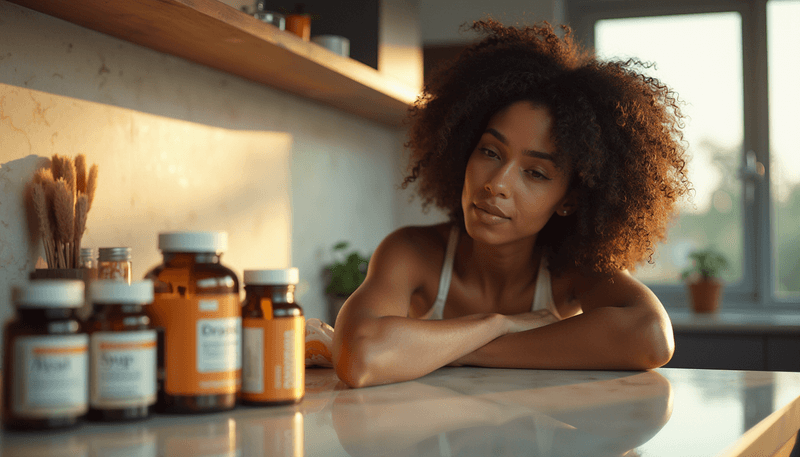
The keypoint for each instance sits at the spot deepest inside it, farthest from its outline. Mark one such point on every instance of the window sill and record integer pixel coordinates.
(738, 321)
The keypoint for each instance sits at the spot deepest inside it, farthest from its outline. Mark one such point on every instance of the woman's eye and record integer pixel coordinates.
(537, 175)
(488, 152)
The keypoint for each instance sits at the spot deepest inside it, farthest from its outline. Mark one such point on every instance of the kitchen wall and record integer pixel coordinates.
(440, 19)
(182, 146)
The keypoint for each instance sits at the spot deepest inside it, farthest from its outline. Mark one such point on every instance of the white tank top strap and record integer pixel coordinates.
(543, 297)
(437, 310)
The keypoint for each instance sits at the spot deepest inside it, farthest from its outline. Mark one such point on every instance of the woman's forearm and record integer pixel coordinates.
(607, 338)
(391, 349)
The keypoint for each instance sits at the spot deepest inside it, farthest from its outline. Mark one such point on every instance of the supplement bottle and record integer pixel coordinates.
(122, 367)
(197, 313)
(86, 259)
(273, 335)
(45, 358)
(114, 263)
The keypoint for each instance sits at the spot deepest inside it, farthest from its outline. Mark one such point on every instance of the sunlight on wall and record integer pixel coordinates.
(155, 174)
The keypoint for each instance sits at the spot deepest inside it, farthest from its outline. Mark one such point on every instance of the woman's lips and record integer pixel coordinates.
(489, 212)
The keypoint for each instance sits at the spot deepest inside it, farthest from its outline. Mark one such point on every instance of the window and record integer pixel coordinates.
(733, 64)
(783, 36)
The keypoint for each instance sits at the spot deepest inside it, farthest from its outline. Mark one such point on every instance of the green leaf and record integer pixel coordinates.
(345, 276)
(708, 263)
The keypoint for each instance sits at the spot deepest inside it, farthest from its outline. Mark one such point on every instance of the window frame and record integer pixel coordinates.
(756, 290)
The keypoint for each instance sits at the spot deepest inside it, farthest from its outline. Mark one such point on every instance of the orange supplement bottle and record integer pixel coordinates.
(273, 336)
(197, 313)
(46, 354)
(122, 367)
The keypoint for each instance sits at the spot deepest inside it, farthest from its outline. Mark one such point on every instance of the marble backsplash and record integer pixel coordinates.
(155, 174)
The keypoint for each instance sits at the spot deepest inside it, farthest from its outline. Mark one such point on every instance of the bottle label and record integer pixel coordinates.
(274, 359)
(51, 376)
(123, 369)
(202, 338)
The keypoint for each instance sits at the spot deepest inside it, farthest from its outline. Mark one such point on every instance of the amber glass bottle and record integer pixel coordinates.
(273, 336)
(197, 313)
(45, 358)
(122, 367)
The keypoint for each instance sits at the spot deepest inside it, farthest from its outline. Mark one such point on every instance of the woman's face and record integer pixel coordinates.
(512, 185)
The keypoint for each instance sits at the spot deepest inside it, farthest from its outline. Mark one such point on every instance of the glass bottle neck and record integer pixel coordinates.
(196, 257)
(277, 294)
(42, 314)
(109, 309)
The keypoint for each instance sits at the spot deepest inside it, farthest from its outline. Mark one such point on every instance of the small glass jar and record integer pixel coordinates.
(270, 17)
(45, 357)
(86, 259)
(273, 336)
(114, 263)
(197, 312)
(123, 351)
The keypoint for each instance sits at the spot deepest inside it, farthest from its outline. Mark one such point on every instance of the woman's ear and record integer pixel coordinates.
(569, 204)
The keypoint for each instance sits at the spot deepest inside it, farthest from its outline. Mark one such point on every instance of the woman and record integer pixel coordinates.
(559, 173)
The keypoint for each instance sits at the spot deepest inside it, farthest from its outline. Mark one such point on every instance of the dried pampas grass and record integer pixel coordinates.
(81, 211)
(64, 206)
(62, 196)
(80, 173)
(55, 166)
(91, 184)
(43, 216)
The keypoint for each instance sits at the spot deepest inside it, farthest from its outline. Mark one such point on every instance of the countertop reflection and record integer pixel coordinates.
(472, 412)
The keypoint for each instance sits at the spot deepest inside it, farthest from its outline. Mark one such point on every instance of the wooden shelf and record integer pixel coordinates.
(214, 34)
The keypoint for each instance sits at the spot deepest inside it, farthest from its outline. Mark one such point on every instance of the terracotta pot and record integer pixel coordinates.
(705, 295)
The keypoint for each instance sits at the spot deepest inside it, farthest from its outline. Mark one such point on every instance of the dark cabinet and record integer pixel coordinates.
(732, 350)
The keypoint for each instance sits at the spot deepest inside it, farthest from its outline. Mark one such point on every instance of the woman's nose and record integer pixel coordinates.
(498, 183)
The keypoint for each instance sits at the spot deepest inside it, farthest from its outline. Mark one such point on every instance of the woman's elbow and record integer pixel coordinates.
(351, 370)
(351, 361)
(657, 343)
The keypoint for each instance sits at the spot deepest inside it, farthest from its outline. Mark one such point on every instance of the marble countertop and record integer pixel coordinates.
(472, 412)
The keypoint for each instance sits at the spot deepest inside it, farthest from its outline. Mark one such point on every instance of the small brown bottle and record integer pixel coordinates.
(273, 336)
(45, 364)
(122, 368)
(197, 312)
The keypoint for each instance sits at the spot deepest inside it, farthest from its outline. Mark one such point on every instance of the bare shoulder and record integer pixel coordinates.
(618, 289)
(400, 267)
(412, 247)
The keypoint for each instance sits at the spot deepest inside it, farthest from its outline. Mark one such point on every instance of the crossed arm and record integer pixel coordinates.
(623, 327)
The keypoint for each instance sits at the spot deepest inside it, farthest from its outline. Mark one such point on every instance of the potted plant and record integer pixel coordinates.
(343, 276)
(703, 279)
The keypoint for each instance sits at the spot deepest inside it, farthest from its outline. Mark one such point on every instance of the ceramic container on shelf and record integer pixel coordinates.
(270, 17)
(299, 23)
(335, 43)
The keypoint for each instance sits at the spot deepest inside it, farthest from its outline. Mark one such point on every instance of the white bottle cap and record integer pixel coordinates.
(119, 292)
(50, 293)
(193, 241)
(272, 277)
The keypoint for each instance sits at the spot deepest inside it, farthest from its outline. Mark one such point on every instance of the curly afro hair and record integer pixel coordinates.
(618, 133)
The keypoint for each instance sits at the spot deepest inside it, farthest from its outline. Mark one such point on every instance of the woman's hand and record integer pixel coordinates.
(528, 321)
